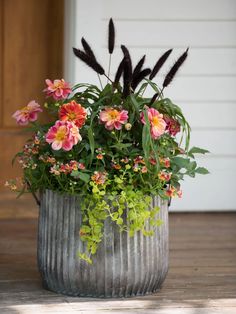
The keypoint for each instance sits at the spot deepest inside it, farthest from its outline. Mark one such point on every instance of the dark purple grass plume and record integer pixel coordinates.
(111, 36)
(126, 77)
(119, 72)
(128, 58)
(140, 77)
(171, 74)
(88, 50)
(138, 67)
(160, 63)
(154, 97)
(89, 61)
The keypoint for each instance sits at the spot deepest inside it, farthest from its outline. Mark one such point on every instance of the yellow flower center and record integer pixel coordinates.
(155, 121)
(113, 114)
(58, 85)
(71, 116)
(61, 134)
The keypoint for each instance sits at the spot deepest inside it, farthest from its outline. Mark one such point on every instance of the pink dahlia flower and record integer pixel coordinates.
(63, 134)
(27, 114)
(158, 124)
(113, 118)
(73, 112)
(58, 89)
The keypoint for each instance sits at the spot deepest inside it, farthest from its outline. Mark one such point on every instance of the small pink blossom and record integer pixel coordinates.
(27, 114)
(64, 134)
(144, 169)
(172, 192)
(179, 193)
(164, 176)
(58, 89)
(99, 177)
(113, 118)
(165, 162)
(158, 124)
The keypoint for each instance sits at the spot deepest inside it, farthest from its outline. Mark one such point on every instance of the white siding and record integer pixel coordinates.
(205, 87)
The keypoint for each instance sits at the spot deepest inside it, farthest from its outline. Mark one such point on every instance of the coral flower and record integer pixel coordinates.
(27, 114)
(172, 192)
(58, 89)
(63, 134)
(113, 118)
(99, 177)
(165, 162)
(158, 124)
(164, 176)
(73, 112)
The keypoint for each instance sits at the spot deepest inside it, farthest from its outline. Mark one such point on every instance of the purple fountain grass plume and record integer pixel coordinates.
(154, 97)
(138, 67)
(160, 63)
(128, 58)
(171, 74)
(140, 77)
(88, 50)
(119, 72)
(89, 61)
(126, 77)
(111, 36)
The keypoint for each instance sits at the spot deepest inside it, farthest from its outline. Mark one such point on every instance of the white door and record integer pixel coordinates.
(205, 88)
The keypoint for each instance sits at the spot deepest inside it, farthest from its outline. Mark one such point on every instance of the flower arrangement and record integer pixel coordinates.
(111, 145)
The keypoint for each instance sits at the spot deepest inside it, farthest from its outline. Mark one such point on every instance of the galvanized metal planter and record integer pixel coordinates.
(122, 267)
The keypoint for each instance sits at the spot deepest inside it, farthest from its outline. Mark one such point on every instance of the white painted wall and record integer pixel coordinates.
(205, 87)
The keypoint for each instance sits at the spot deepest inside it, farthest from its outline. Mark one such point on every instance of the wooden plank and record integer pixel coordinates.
(170, 9)
(210, 62)
(182, 90)
(167, 33)
(207, 191)
(210, 119)
(201, 89)
(210, 140)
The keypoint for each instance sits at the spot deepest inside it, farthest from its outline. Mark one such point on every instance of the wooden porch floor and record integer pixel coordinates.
(201, 278)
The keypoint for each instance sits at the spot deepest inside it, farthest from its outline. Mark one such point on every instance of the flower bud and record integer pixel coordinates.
(128, 126)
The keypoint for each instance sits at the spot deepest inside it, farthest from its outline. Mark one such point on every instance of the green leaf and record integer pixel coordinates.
(84, 177)
(197, 150)
(136, 105)
(192, 165)
(121, 146)
(85, 257)
(181, 162)
(119, 221)
(202, 170)
(91, 142)
(146, 137)
(75, 173)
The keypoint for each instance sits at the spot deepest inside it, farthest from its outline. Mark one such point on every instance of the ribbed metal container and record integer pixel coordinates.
(122, 267)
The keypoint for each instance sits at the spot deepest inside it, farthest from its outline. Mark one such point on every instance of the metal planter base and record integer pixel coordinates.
(122, 267)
